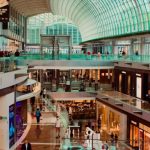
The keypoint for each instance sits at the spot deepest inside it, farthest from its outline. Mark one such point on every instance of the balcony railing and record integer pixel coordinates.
(102, 57)
(8, 64)
(126, 103)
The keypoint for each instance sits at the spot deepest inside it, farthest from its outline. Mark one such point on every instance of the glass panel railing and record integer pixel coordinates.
(7, 64)
(96, 144)
(10, 63)
(63, 113)
(132, 102)
(102, 57)
(75, 139)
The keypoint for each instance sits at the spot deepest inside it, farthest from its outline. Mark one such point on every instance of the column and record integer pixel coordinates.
(53, 44)
(68, 82)
(108, 121)
(123, 127)
(97, 111)
(25, 31)
(96, 79)
(41, 77)
(83, 72)
(131, 47)
(57, 79)
(142, 46)
(90, 73)
(70, 48)
(114, 50)
(108, 74)
(112, 78)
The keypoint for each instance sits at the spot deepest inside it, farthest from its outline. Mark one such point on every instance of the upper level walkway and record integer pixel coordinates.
(126, 103)
(92, 57)
(75, 61)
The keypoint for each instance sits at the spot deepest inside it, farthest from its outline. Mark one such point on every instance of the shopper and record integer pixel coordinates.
(116, 137)
(17, 53)
(41, 93)
(106, 146)
(44, 93)
(99, 123)
(112, 136)
(26, 146)
(38, 115)
(32, 101)
(80, 126)
(93, 124)
(57, 127)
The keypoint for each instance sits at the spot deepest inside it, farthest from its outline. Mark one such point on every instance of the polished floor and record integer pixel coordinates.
(42, 136)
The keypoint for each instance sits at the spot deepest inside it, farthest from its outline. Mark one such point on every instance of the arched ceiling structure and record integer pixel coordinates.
(95, 18)
(31, 7)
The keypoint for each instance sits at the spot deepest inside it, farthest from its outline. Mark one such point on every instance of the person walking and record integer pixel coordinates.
(112, 136)
(57, 127)
(80, 126)
(44, 93)
(38, 115)
(26, 146)
(99, 123)
(106, 146)
(116, 137)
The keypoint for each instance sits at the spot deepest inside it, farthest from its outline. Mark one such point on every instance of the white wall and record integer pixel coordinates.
(8, 79)
(5, 102)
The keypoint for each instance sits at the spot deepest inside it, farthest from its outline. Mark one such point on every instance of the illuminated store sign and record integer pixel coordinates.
(4, 10)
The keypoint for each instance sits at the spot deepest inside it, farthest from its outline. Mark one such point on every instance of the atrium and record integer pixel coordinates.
(75, 74)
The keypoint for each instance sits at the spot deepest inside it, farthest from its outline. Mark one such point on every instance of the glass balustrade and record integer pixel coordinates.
(81, 143)
(128, 101)
(7, 65)
(63, 113)
(10, 63)
(103, 57)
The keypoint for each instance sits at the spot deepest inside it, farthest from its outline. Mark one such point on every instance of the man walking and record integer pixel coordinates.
(26, 146)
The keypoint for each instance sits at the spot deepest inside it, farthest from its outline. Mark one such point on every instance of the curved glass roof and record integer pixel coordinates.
(105, 18)
(96, 18)
(51, 25)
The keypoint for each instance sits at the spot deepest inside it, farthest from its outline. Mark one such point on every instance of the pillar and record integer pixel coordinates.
(53, 44)
(123, 127)
(96, 79)
(131, 47)
(108, 74)
(70, 48)
(142, 46)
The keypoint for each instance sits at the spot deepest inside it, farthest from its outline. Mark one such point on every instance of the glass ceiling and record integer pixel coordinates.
(105, 18)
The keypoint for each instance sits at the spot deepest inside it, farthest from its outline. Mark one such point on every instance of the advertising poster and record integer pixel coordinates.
(18, 127)
(11, 125)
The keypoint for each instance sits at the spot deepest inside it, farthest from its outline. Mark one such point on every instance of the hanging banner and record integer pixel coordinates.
(4, 10)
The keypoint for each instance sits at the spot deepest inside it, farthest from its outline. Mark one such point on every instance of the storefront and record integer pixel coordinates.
(79, 105)
(139, 135)
(112, 121)
(134, 82)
